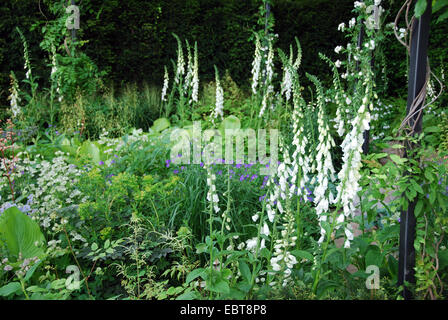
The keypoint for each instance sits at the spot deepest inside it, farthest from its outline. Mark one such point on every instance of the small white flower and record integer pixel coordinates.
(251, 243)
(352, 23)
(265, 229)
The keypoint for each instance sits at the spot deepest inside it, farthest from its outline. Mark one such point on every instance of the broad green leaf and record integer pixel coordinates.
(417, 187)
(374, 256)
(432, 196)
(324, 286)
(201, 248)
(9, 289)
(91, 150)
(94, 247)
(418, 208)
(442, 199)
(439, 4)
(433, 129)
(19, 233)
(30, 272)
(193, 275)
(161, 124)
(245, 272)
(36, 289)
(397, 159)
(220, 286)
(420, 8)
(443, 16)
(303, 254)
(191, 295)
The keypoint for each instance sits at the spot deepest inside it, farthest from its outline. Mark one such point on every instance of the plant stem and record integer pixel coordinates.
(326, 244)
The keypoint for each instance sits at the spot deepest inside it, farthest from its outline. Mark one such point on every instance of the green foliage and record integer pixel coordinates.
(20, 235)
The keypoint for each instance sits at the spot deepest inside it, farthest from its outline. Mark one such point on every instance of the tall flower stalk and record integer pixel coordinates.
(27, 66)
(195, 81)
(219, 98)
(324, 163)
(14, 97)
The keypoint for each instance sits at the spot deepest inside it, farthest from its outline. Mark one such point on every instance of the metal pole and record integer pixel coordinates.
(268, 12)
(417, 79)
(74, 29)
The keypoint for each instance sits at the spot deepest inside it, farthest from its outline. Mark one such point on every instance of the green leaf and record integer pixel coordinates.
(191, 295)
(418, 208)
(9, 289)
(397, 159)
(324, 286)
(30, 272)
(194, 274)
(201, 248)
(439, 4)
(34, 289)
(433, 129)
(303, 254)
(91, 150)
(161, 124)
(94, 247)
(442, 17)
(19, 233)
(374, 256)
(245, 272)
(417, 187)
(380, 155)
(432, 196)
(220, 286)
(442, 199)
(420, 8)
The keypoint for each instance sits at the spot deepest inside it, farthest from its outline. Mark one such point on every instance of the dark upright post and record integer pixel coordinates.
(417, 79)
(268, 12)
(74, 29)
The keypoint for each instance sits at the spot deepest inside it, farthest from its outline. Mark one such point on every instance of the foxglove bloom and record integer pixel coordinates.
(256, 64)
(195, 84)
(14, 97)
(219, 103)
(165, 85)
